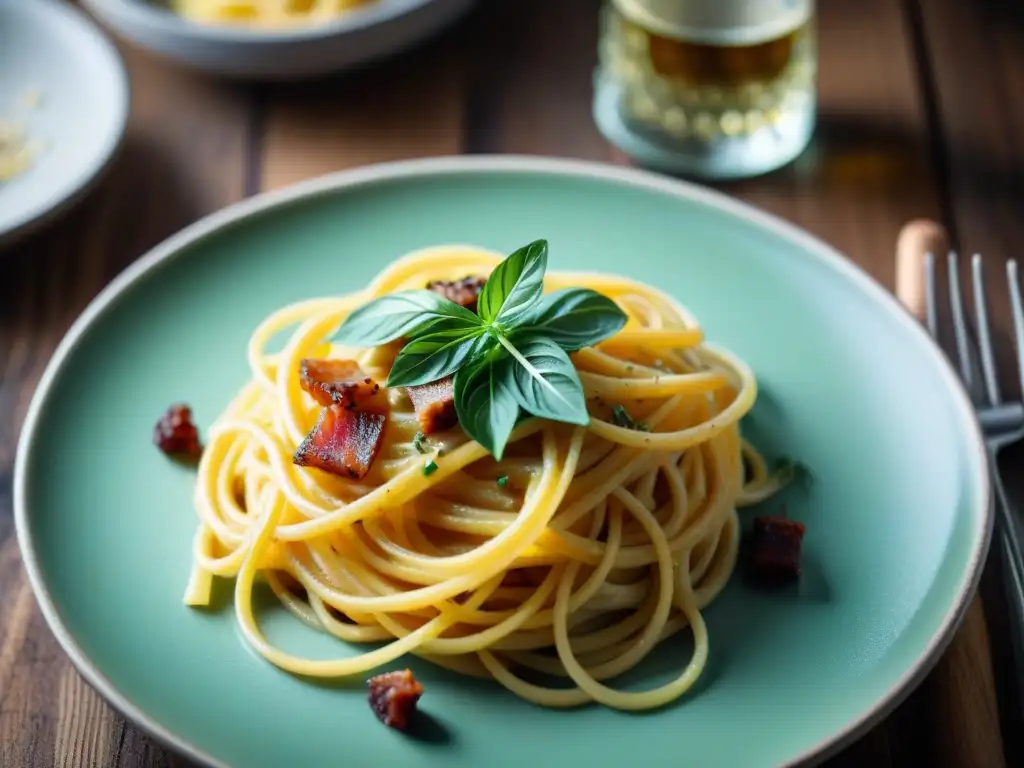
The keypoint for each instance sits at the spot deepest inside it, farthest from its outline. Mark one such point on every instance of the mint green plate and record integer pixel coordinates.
(897, 517)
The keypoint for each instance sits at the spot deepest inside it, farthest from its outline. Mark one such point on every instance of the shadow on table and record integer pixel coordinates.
(857, 154)
(54, 272)
(1004, 12)
(997, 620)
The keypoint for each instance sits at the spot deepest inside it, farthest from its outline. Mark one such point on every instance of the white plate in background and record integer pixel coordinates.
(53, 52)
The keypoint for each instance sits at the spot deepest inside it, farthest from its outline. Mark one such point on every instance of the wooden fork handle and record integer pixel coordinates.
(917, 238)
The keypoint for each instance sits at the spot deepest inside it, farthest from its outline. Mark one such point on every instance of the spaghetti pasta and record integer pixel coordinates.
(573, 556)
(265, 13)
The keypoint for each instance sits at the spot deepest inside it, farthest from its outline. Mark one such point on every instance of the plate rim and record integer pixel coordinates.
(44, 212)
(350, 179)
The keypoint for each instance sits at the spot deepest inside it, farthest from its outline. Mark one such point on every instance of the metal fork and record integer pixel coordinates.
(1002, 422)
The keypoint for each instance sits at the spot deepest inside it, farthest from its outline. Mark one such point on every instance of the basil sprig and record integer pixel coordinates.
(508, 360)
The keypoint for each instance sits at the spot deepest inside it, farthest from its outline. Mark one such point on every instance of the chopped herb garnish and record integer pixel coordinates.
(621, 418)
(790, 471)
(430, 468)
(508, 359)
(503, 481)
(417, 442)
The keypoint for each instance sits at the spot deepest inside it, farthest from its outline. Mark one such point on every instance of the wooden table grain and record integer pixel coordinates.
(921, 102)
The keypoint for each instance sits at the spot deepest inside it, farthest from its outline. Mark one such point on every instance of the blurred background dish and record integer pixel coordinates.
(64, 99)
(231, 39)
(270, 14)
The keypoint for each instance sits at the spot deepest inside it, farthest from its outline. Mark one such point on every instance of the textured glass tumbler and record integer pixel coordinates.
(716, 89)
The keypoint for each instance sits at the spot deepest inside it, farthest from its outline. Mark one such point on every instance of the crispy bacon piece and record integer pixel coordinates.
(775, 555)
(464, 292)
(343, 442)
(337, 382)
(176, 434)
(435, 405)
(393, 697)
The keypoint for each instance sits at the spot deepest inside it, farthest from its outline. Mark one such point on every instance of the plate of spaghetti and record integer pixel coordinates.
(571, 444)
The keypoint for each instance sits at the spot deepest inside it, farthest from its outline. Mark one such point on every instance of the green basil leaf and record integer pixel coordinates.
(514, 284)
(545, 383)
(437, 354)
(573, 318)
(401, 314)
(484, 402)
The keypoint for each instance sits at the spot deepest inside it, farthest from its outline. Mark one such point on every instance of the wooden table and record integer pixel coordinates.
(922, 105)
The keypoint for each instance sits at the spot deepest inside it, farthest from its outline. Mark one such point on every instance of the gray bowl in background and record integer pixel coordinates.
(355, 38)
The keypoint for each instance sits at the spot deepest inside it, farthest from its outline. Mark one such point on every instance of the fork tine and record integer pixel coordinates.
(1018, 315)
(1004, 416)
(985, 346)
(930, 301)
(956, 301)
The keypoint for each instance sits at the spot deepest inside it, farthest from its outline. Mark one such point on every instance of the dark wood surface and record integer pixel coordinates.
(921, 110)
